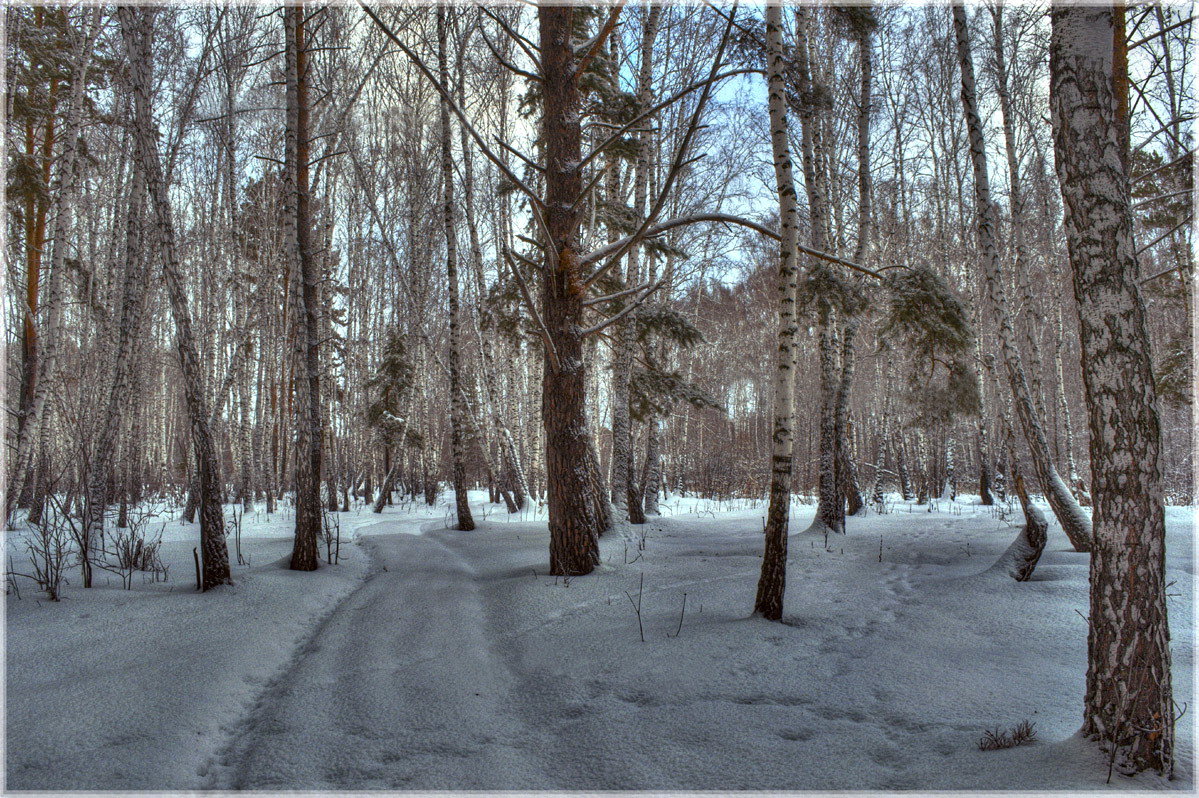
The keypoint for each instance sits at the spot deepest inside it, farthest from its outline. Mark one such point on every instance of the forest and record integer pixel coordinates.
(638, 396)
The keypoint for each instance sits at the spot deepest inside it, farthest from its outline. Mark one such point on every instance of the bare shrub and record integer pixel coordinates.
(134, 548)
(51, 545)
(996, 739)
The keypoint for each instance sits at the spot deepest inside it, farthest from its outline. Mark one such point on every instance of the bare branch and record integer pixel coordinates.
(448, 98)
(1165, 166)
(505, 62)
(628, 127)
(629, 308)
(1162, 238)
(681, 221)
(1161, 32)
(530, 49)
(676, 167)
(546, 338)
(617, 295)
(526, 159)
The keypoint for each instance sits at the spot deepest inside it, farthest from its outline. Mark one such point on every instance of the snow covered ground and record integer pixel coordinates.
(437, 659)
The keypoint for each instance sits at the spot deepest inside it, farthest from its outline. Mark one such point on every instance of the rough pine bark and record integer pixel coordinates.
(575, 522)
(457, 403)
(136, 26)
(851, 494)
(305, 297)
(1129, 705)
(773, 580)
(1069, 514)
(830, 507)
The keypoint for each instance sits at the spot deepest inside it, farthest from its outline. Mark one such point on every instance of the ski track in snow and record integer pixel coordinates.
(389, 718)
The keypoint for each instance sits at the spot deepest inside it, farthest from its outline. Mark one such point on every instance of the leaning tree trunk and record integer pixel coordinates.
(136, 25)
(457, 404)
(1129, 705)
(773, 580)
(1069, 514)
(575, 520)
(386, 487)
(1016, 201)
(305, 293)
(1022, 556)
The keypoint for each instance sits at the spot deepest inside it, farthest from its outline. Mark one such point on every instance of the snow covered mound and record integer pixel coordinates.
(437, 659)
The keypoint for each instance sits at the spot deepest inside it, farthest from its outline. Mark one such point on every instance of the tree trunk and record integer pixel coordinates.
(513, 473)
(305, 297)
(457, 405)
(1129, 704)
(830, 507)
(830, 510)
(65, 189)
(851, 494)
(773, 580)
(651, 483)
(574, 521)
(1072, 518)
(136, 25)
(1022, 556)
(121, 384)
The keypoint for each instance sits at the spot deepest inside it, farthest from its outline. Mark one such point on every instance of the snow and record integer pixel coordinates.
(437, 659)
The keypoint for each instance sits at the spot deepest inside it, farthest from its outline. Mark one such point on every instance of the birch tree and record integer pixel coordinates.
(457, 403)
(773, 580)
(1070, 515)
(137, 28)
(1129, 706)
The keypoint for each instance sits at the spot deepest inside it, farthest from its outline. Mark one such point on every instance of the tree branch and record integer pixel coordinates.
(662, 227)
(595, 44)
(546, 338)
(679, 157)
(629, 308)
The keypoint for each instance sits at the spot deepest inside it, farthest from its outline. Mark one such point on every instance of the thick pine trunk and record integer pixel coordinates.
(773, 580)
(1129, 704)
(830, 507)
(851, 495)
(575, 520)
(305, 297)
(651, 483)
(136, 25)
